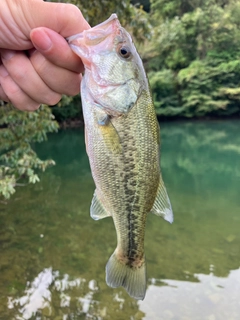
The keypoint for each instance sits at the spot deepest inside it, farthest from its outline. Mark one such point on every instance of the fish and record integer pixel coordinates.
(122, 138)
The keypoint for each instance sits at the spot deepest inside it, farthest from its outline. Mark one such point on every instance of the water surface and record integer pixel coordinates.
(53, 255)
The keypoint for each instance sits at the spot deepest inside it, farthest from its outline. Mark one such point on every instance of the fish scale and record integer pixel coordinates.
(122, 140)
(145, 181)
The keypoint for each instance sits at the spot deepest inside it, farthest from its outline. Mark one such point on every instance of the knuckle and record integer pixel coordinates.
(19, 76)
(53, 98)
(39, 62)
(73, 10)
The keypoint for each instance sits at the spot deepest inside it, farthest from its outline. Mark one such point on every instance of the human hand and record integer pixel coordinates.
(37, 65)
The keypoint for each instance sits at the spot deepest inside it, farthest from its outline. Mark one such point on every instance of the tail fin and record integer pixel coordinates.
(133, 279)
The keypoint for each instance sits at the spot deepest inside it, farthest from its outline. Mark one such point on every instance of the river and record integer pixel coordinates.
(53, 255)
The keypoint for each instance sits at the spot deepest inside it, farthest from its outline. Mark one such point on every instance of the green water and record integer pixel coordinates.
(53, 255)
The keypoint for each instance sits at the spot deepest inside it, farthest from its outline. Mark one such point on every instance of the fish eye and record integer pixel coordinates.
(124, 52)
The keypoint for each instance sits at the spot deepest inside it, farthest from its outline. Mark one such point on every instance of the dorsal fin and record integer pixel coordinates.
(162, 206)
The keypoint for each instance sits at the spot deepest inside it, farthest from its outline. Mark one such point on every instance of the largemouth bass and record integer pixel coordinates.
(122, 141)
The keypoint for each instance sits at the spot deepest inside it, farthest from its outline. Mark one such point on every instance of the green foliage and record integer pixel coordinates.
(68, 109)
(18, 132)
(132, 16)
(144, 3)
(198, 44)
(204, 88)
(164, 91)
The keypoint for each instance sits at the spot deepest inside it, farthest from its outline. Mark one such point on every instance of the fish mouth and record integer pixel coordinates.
(95, 39)
(105, 23)
(95, 35)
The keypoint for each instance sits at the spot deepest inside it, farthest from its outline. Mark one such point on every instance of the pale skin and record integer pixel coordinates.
(36, 64)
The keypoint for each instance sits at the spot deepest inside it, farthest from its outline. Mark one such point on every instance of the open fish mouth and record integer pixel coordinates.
(96, 34)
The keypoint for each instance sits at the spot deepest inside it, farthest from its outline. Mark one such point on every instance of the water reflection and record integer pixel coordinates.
(38, 296)
(53, 296)
(53, 255)
(212, 298)
(164, 300)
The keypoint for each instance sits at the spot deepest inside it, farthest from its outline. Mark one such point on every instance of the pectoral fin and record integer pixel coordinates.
(102, 118)
(97, 210)
(162, 206)
(108, 132)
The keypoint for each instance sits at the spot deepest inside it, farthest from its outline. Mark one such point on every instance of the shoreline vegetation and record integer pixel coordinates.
(191, 52)
(79, 123)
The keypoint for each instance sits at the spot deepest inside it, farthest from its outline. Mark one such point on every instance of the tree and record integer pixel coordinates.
(19, 131)
(197, 44)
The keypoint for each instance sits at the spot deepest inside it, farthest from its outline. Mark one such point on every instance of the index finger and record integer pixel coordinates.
(55, 49)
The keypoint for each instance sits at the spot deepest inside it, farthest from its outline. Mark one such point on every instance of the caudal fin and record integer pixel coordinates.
(133, 279)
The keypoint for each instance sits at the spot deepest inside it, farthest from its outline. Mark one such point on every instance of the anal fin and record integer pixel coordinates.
(162, 205)
(97, 210)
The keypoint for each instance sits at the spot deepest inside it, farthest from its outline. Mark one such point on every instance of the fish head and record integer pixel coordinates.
(114, 71)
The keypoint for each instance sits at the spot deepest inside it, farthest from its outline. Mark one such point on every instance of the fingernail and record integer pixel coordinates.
(41, 40)
(7, 54)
